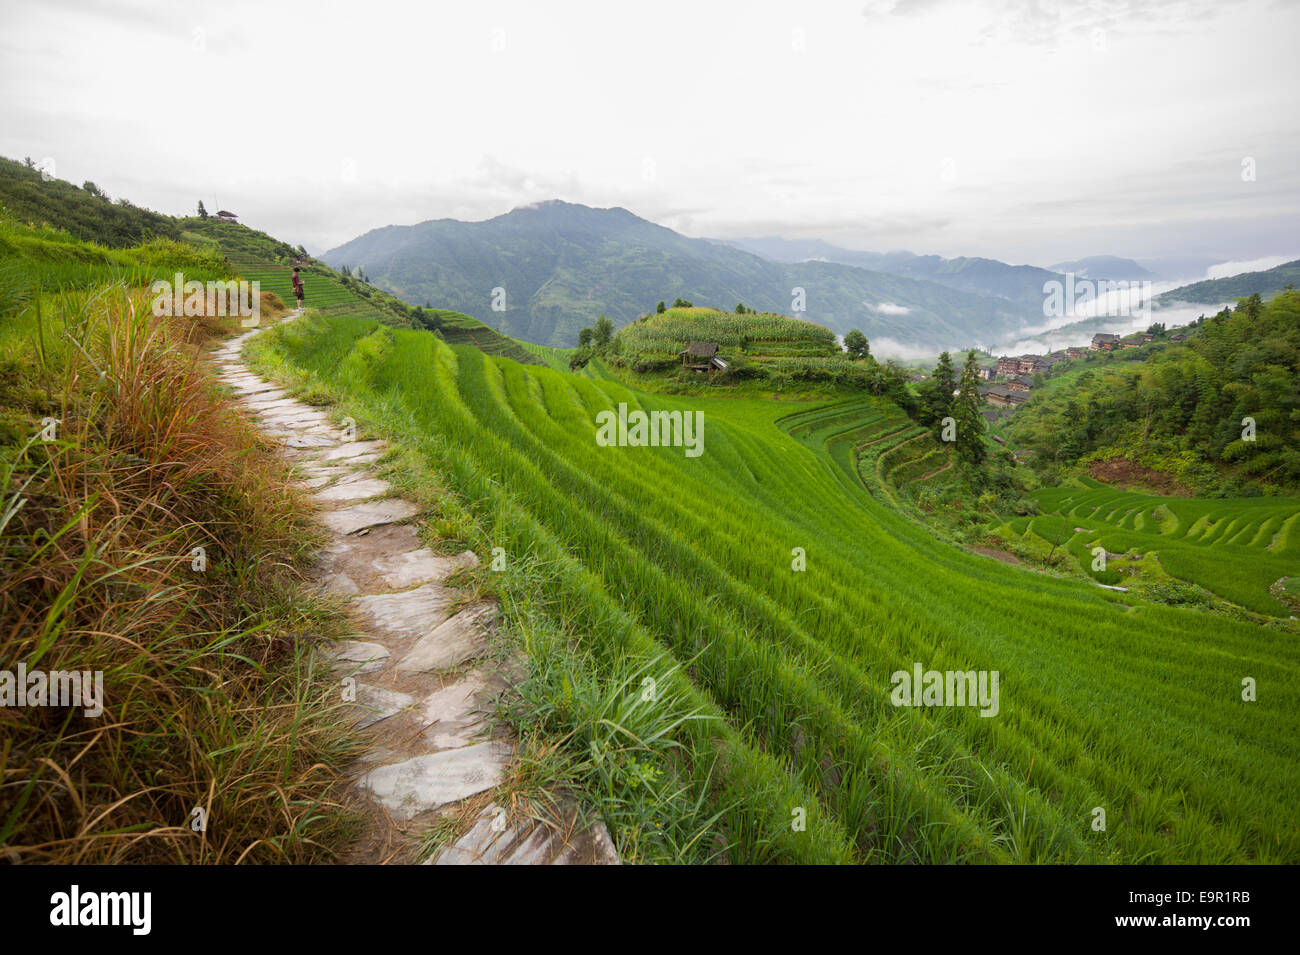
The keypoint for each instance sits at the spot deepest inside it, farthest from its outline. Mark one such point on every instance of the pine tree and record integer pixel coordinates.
(966, 411)
(938, 400)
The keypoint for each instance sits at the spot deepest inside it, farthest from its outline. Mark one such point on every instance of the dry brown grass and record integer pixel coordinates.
(212, 698)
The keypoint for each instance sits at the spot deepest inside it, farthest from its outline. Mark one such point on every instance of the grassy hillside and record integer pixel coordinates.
(762, 352)
(768, 596)
(88, 216)
(1266, 283)
(259, 257)
(561, 265)
(33, 260)
(665, 334)
(59, 210)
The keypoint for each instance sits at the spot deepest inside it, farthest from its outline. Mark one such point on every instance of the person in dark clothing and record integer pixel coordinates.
(297, 288)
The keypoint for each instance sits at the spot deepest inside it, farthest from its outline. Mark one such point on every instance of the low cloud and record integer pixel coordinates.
(890, 348)
(888, 308)
(1228, 269)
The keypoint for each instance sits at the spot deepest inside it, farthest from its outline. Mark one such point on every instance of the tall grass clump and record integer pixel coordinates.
(219, 735)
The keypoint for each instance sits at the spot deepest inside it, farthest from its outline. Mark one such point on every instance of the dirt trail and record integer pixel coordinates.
(414, 668)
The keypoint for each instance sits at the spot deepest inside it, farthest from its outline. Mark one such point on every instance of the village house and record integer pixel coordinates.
(1001, 396)
(1104, 342)
(226, 216)
(702, 356)
(1028, 364)
(1074, 353)
(1008, 366)
(986, 372)
(1178, 338)
(1021, 383)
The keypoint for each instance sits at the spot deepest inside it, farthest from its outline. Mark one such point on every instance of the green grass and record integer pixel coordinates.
(42, 259)
(642, 558)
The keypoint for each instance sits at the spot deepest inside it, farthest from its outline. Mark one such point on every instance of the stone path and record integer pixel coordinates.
(422, 693)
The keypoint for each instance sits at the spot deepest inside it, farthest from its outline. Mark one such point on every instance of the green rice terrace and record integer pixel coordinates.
(768, 590)
(1235, 548)
(667, 333)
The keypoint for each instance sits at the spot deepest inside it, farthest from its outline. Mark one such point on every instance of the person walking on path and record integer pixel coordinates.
(297, 287)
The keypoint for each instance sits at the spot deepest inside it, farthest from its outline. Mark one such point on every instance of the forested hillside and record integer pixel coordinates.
(85, 212)
(1266, 284)
(1184, 411)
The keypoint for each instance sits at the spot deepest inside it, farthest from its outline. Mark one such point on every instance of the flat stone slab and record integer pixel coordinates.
(355, 490)
(263, 405)
(420, 566)
(340, 584)
(406, 614)
(314, 456)
(322, 435)
(358, 517)
(352, 449)
(298, 439)
(261, 389)
(360, 656)
(290, 418)
(304, 439)
(428, 782)
(451, 716)
(334, 470)
(455, 640)
(493, 840)
(375, 703)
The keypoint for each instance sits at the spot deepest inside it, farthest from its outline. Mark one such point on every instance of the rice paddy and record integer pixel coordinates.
(1236, 548)
(773, 592)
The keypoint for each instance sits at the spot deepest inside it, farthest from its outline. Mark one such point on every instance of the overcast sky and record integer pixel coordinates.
(1029, 131)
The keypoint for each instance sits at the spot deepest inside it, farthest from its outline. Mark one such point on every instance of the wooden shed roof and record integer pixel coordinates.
(701, 349)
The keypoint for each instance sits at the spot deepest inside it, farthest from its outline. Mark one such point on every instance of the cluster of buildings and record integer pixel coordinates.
(1013, 375)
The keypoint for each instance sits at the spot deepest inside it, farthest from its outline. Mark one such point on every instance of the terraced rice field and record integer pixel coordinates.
(322, 292)
(467, 330)
(1236, 548)
(551, 357)
(649, 557)
(669, 332)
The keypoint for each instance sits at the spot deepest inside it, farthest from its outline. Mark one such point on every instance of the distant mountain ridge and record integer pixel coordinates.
(1106, 267)
(1022, 284)
(1267, 283)
(561, 264)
